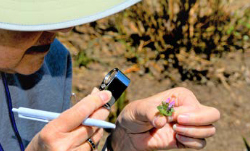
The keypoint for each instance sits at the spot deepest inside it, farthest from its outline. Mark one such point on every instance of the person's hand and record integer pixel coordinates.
(141, 128)
(67, 133)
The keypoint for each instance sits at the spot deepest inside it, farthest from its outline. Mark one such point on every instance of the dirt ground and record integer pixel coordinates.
(230, 96)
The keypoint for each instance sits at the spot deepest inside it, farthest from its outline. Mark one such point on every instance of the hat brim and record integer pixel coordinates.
(29, 15)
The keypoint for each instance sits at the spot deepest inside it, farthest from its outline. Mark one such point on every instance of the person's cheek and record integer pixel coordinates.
(18, 40)
(29, 64)
(10, 58)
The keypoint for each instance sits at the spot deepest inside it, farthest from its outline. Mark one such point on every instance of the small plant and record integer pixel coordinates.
(82, 59)
(246, 144)
(166, 108)
(118, 107)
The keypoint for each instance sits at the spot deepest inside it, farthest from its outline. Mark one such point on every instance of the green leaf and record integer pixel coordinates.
(248, 26)
(230, 30)
(245, 38)
(163, 109)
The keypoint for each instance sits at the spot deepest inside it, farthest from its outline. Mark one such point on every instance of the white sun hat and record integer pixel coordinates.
(40, 15)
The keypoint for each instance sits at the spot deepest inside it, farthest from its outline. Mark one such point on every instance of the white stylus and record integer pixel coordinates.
(45, 116)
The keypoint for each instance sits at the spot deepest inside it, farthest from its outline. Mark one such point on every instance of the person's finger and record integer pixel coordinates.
(84, 132)
(189, 142)
(135, 117)
(160, 120)
(146, 113)
(81, 134)
(95, 90)
(195, 131)
(72, 118)
(95, 138)
(202, 116)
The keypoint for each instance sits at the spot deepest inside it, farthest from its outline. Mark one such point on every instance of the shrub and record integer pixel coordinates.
(169, 37)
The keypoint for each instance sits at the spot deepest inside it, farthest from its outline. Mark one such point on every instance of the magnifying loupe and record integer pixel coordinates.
(116, 82)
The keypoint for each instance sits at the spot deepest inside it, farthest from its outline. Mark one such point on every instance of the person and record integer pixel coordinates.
(36, 72)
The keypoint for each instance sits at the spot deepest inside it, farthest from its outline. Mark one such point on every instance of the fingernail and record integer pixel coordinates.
(183, 118)
(159, 121)
(180, 129)
(105, 95)
(174, 127)
(188, 141)
(182, 138)
(154, 121)
(95, 90)
(170, 119)
(178, 137)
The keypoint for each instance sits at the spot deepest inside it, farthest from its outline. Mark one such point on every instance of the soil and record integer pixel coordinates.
(230, 96)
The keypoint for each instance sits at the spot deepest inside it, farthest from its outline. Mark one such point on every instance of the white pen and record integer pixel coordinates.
(45, 116)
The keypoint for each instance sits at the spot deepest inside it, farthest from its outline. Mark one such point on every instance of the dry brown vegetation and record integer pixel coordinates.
(163, 37)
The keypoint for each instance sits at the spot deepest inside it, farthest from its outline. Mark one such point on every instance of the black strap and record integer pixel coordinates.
(11, 114)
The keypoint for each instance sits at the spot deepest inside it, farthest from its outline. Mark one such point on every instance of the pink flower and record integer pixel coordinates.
(171, 104)
(168, 100)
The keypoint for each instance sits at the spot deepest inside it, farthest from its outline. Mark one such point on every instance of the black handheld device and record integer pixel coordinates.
(116, 82)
